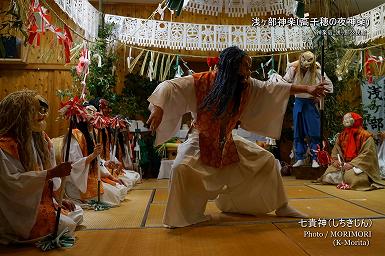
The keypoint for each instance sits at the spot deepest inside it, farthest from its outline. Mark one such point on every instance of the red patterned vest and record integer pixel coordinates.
(215, 150)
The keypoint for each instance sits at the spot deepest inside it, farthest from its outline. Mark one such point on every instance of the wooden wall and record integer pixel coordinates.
(42, 69)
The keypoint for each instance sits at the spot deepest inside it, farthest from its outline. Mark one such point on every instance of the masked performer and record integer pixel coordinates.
(83, 181)
(26, 171)
(358, 168)
(214, 164)
(306, 117)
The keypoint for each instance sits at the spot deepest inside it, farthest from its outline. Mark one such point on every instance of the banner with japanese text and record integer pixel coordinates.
(373, 101)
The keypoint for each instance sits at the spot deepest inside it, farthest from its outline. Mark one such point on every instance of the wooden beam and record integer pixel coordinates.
(38, 66)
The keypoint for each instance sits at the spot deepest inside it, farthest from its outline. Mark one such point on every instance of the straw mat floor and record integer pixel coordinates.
(135, 228)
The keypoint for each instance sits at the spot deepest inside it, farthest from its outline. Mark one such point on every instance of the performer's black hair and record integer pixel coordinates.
(227, 85)
(83, 127)
(121, 144)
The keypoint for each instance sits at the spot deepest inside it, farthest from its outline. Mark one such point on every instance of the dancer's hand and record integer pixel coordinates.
(348, 166)
(69, 205)
(336, 164)
(319, 90)
(97, 150)
(155, 118)
(60, 170)
(109, 164)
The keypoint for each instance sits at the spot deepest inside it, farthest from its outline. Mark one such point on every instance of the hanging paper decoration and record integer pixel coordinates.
(117, 122)
(155, 67)
(167, 68)
(175, 5)
(73, 108)
(40, 21)
(84, 14)
(212, 62)
(189, 70)
(82, 69)
(99, 59)
(160, 10)
(133, 64)
(113, 69)
(299, 8)
(344, 63)
(144, 64)
(253, 39)
(179, 72)
(240, 8)
(129, 58)
(98, 121)
(151, 67)
(65, 40)
(370, 59)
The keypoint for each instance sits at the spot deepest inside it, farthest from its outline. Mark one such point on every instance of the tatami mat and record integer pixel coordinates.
(161, 195)
(118, 231)
(152, 183)
(315, 208)
(319, 246)
(129, 214)
(264, 239)
(297, 191)
(155, 216)
(294, 191)
(292, 181)
(374, 200)
(331, 208)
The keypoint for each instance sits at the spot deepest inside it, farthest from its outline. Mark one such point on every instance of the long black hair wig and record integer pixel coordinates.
(227, 85)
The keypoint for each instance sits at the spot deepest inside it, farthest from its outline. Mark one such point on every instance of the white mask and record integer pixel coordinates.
(307, 59)
(39, 122)
(348, 120)
(91, 110)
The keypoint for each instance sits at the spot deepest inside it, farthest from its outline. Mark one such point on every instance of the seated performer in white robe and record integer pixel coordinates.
(212, 163)
(27, 209)
(82, 185)
(128, 177)
(112, 164)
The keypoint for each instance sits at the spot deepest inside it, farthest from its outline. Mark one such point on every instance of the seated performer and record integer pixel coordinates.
(27, 209)
(111, 163)
(212, 163)
(82, 185)
(306, 117)
(358, 168)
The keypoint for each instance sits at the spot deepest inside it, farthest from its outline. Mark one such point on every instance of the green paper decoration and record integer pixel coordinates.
(175, 5)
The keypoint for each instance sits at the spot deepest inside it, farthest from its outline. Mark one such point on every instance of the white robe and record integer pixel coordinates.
(129, 178)
(77, 182)
(75, 217)
(381, 159)
(20, 195)
(291, 77)
(251, 186)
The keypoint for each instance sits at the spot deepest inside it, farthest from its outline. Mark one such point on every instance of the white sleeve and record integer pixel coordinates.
(20, 195)
(55, 180)
(103, 170)
(266, 108)
(79, 173)
(176, 97)
(290, 73)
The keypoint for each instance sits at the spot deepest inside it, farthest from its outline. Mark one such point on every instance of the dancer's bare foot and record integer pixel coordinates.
(287, 211)
(169, 227)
